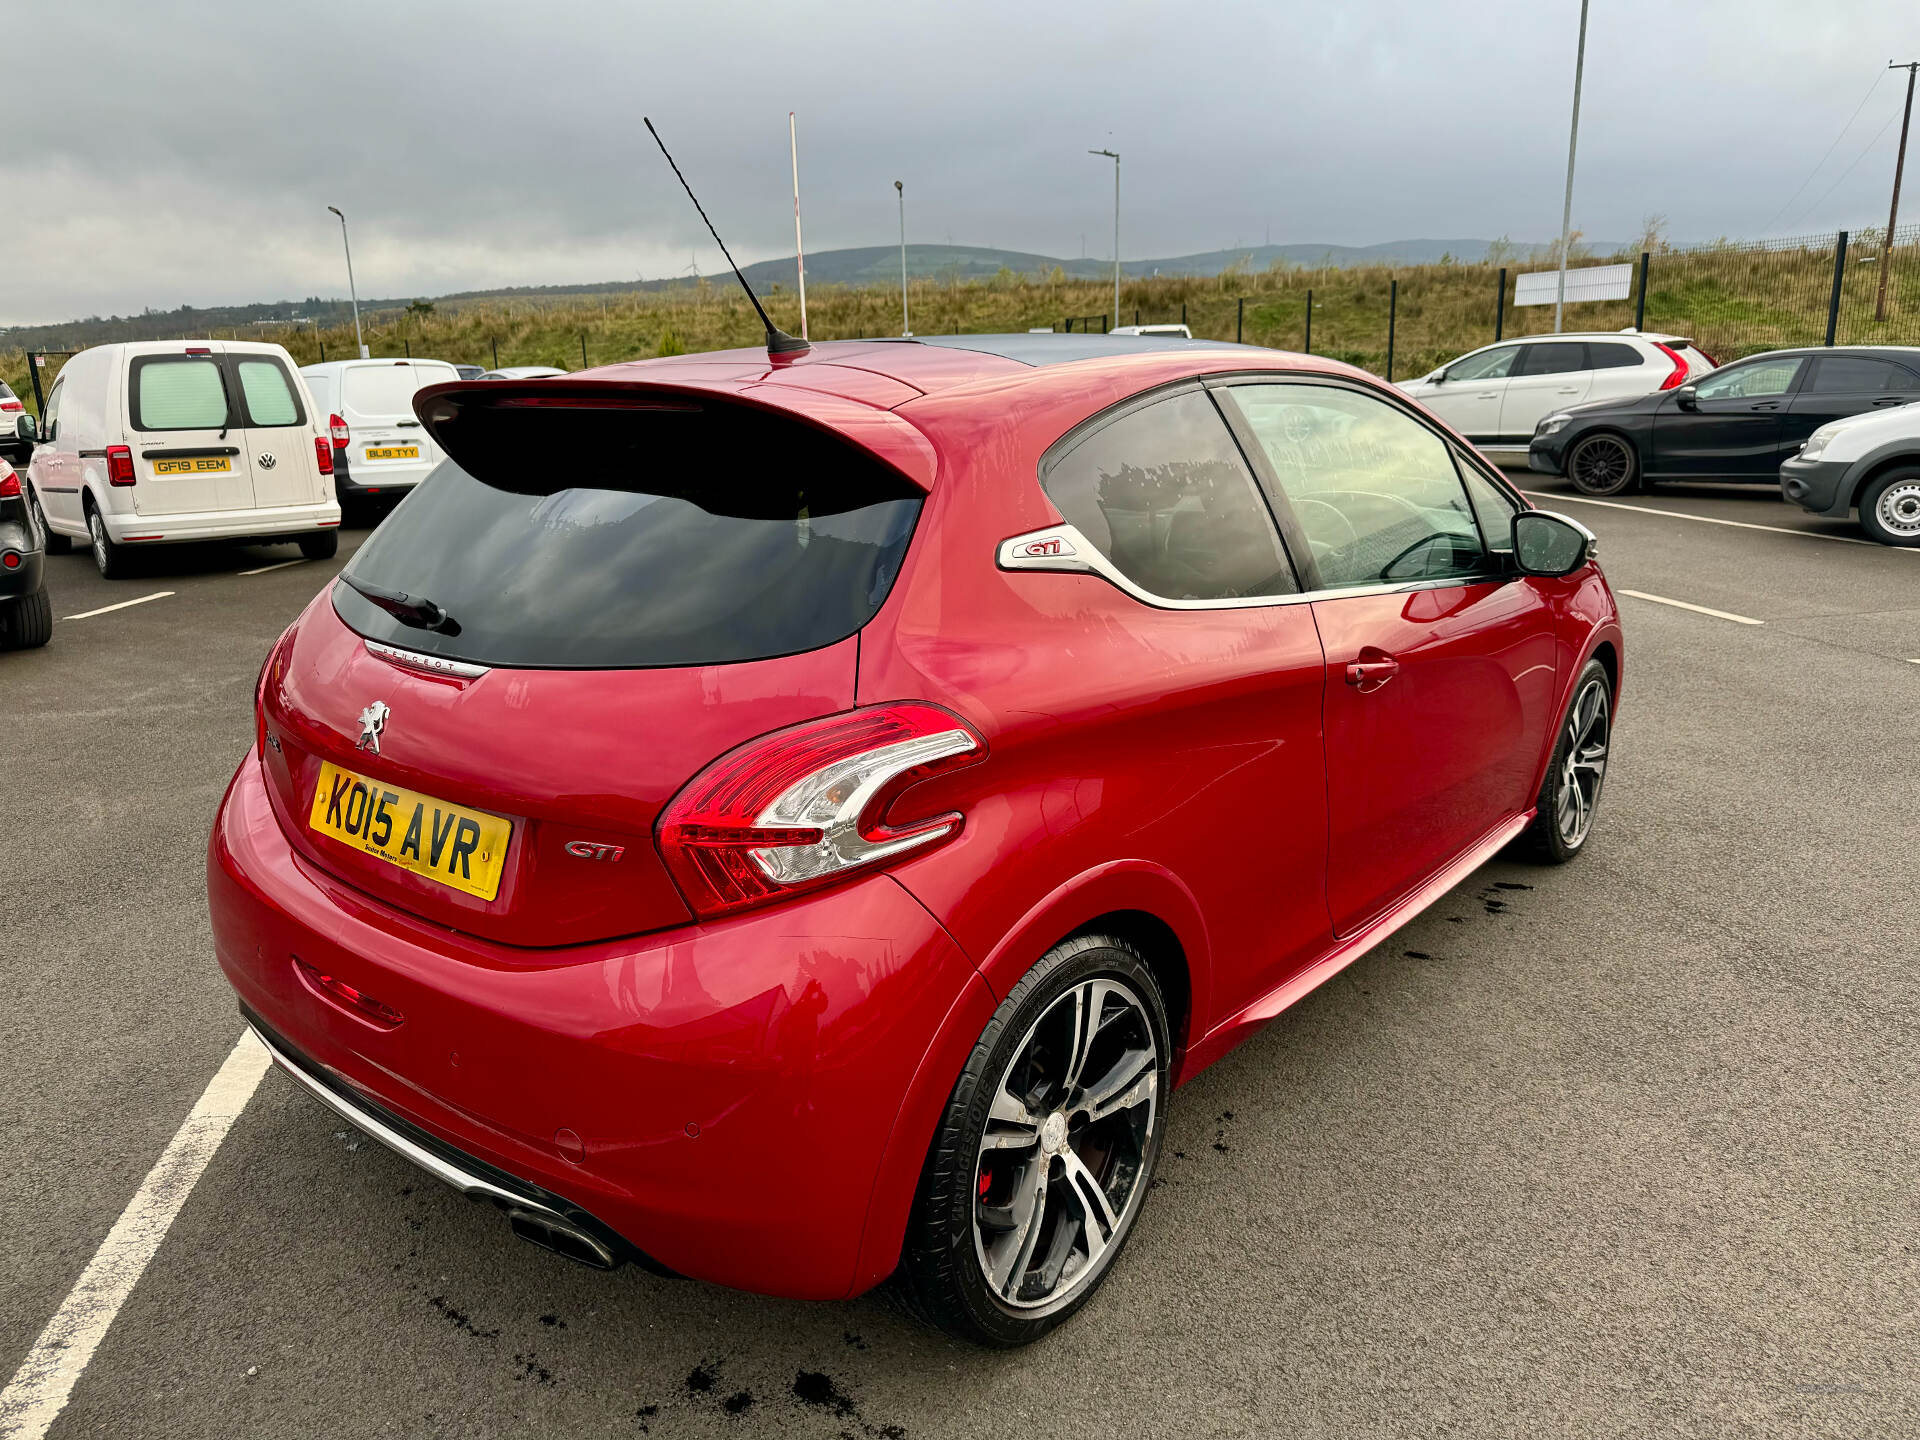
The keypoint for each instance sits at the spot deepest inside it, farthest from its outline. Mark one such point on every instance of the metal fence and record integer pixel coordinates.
(1733, 297)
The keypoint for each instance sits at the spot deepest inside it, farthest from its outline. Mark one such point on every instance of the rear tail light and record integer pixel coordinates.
(802, 807)
(1679, 373)
(9, 559)
(323, 452)
(9, 482)
(119, 465)
(11, 405)
(351, 997)
(337, 428)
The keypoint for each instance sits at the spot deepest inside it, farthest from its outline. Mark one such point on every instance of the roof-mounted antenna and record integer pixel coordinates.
(778, 341)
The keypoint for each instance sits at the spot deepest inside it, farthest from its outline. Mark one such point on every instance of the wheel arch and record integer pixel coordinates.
(1139, 901)
(1611, 431)
(1874, 469)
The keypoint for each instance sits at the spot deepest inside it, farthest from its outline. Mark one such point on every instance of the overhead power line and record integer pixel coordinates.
(1811, 209)
(1878, 77)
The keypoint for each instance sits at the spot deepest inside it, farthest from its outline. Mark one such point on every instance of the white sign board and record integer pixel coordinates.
(1591, 282)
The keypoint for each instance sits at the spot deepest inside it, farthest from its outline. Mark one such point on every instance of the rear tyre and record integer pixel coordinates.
(1570, 794)
(323, 545)
(1603, 465)
(110, 559)
(55, 544)
(1890, 508)
(26, 623)
(1043, 1159)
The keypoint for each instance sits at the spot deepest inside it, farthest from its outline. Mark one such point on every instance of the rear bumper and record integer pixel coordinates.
(1817, 485)
(19, 538)
(283, 521)
(717, 1097)
(376, 477)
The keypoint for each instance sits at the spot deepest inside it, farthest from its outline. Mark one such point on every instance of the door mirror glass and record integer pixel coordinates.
(23, 429)
(1438, 377)
(1686, 398)
(1551, 545)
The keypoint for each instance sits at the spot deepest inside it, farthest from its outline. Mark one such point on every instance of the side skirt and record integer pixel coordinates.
(1237, 1028)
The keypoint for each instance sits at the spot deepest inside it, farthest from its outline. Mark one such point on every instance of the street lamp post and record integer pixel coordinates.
(1573, 140)
(358, 343)
(1113, 156)
(906, 322)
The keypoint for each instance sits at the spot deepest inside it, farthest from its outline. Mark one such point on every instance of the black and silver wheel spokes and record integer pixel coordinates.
(1062, 1157)
(1601, 464)
(1585, 766)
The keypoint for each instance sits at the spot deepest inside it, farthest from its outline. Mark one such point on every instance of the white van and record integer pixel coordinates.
(159, 441)
(379, 444)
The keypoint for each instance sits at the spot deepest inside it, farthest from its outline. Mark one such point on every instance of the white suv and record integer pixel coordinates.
(160, 441)
(1496, 395)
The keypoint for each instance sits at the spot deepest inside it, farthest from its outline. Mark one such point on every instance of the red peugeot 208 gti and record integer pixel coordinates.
(793, 820)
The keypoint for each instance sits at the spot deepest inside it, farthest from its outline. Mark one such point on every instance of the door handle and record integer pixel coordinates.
(1490, 395)
(1890, 400)
(1568, 390)
(1766, 405)
(1366, 675)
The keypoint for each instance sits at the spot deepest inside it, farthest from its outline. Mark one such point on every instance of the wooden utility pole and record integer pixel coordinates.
(1893, 211)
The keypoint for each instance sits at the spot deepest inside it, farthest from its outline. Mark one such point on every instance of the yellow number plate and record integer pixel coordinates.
(393, 452)
(464, 848)
(194, 465)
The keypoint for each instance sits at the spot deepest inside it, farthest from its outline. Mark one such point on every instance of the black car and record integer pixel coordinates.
(1739, 423)
(26, 615)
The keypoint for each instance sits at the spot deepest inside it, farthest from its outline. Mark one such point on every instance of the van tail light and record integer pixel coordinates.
(337, 428)
(1679, 375)
(802, 807)
(323, 452)
(9, 482)
(119, 465)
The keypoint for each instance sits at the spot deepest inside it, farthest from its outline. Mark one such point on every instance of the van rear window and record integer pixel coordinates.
(386, 390)
(267, 392)
(178, 392)
(754, 541)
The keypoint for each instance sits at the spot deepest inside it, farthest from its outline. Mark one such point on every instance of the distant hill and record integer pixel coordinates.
(860, 265)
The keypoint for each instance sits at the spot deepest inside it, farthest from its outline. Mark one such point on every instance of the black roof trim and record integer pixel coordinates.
(1064, 349)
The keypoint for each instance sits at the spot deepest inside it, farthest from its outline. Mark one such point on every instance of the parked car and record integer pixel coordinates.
(806, 839)
(1174, 332)
(1740, 423)
(1498, 394)
(1869, 462)
(26, 615)
(470, 372)
(522, 372)
(379, 445)
(12, 448)
(155, 442)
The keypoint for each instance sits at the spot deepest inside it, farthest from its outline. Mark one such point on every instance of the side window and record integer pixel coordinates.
(178, 392)
(1164, 494)
(50, 422)
(1849, 375)
(1553, 357)
(1492, 507)
(1375, 491)
(267, 393)
(1612, 355)
(1902, 379)
(1493, 364)
(1757, 379)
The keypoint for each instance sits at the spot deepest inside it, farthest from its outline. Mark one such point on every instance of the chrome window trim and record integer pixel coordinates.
(1078, 556)
(425, 664)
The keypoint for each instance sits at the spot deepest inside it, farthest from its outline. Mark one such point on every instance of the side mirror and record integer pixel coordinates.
(24, 429)
(1686, 399)
(1438, 377)
(1551, 545)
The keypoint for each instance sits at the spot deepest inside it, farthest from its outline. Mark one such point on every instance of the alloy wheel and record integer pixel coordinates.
(1061, 1167)
(1898, 509)
(1585, 766)
(1601, 466)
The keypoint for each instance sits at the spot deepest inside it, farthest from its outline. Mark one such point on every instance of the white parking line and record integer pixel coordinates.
(89, 614)
(1697, 609)
(278, 565)
(1709, 519)
(40, 1387)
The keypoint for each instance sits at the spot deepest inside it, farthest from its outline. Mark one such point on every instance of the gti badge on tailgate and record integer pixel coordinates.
(589, 850)
(373, 720)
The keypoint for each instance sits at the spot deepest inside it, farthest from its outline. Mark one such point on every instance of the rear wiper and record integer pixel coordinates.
(414, 610)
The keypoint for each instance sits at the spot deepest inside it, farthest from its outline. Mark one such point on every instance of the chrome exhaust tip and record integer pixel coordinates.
(575, 1245)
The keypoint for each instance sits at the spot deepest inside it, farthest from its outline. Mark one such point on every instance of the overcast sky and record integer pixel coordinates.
(171, 154)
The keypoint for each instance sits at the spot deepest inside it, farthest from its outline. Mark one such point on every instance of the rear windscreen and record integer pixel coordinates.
(758, 541)
(386, 389)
